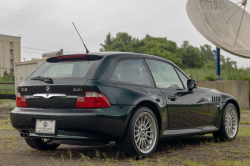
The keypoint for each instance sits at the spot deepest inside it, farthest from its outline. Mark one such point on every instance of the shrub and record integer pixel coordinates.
(209, 77)
(8, 78)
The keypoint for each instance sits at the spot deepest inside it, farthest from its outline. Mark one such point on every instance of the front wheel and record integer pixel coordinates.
(229, 124)
(141, 136)
(41, 143)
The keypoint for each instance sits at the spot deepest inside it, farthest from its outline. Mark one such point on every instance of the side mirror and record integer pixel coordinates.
(191, 84)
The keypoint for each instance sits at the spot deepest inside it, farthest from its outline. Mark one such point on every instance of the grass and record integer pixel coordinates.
(244, 122)
(7, 86)
(5, 100)
(244, 131)
(5, 124)
(156, 160)
(6, 127)
(9, 78)
(245, 110)
(226, 74)
(219, 162)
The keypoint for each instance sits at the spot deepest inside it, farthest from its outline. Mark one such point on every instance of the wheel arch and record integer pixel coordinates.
(154, 108)
(235, 103)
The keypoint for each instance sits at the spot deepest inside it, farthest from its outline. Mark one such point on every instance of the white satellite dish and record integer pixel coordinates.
(224, 23)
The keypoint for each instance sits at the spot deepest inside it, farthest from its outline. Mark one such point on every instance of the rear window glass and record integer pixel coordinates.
(64, 69)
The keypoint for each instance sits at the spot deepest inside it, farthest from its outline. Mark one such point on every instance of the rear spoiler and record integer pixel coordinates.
(74, 58)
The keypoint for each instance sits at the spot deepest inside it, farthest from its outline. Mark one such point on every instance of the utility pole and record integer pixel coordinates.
(218, 63)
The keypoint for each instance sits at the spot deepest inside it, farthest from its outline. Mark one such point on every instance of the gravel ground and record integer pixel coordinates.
(176, 151)
(7, 103)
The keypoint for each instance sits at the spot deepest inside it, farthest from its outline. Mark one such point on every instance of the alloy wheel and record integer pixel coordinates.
(231, 122)
(145, 132)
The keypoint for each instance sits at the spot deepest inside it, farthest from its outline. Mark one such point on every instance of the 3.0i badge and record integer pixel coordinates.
(48, 89)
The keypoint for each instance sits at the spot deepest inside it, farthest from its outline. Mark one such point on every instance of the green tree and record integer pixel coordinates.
(186, 56)
(107, 42)
(148, 45)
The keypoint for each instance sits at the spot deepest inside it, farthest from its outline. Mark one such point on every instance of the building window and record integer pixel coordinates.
(11, 46)
(12, 67)
(11, 57)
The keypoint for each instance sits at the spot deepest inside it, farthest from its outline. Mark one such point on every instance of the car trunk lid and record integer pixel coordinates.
(67, 76)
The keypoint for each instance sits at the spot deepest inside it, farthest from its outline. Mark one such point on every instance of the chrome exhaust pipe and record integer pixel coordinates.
(22, 134)
(26, 135)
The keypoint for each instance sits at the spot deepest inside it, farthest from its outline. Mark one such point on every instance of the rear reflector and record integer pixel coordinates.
(21, 101)
(92, 100)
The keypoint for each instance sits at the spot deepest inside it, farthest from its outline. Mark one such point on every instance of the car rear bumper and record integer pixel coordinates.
(82, 124)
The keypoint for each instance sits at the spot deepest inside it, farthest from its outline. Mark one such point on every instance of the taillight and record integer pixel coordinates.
(92, 100)
(70, 56)
(20, 101)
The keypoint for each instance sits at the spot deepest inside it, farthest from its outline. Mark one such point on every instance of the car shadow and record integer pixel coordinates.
(110, 150)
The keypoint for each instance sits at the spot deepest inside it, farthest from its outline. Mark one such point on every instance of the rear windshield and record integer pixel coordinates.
(65, 69)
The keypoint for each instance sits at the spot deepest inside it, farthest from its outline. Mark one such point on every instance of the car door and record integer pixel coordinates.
(186, 109)
(133, 74)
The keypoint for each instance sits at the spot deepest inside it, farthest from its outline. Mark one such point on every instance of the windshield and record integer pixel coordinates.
(66, 69)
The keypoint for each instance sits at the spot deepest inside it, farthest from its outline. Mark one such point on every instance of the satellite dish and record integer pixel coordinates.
(224, 23)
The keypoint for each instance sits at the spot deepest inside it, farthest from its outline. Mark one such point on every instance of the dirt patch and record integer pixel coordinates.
(7, 103)
(182, 151)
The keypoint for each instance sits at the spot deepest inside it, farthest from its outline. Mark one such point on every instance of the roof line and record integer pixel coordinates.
(10, 36)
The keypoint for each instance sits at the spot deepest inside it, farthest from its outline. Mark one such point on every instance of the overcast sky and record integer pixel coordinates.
(47, 24)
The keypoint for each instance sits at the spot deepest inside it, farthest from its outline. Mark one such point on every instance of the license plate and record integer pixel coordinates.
(45, 126)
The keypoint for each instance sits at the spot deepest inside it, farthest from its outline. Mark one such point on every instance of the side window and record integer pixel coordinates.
(131, 71)
(183, 78)
(164, 75)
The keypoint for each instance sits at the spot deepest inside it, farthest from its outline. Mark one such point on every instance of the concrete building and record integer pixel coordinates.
(10, 53)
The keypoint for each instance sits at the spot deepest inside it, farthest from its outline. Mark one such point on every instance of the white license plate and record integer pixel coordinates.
(45, 126)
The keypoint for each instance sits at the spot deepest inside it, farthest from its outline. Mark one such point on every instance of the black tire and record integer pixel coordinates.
(128, 144)
(222, 134)
(40, 144)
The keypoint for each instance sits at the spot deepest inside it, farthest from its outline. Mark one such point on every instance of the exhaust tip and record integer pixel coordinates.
(26, 135)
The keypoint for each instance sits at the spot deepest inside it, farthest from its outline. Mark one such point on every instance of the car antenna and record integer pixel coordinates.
(87, 51)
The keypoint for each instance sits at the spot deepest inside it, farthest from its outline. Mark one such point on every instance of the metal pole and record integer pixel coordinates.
(218, 63)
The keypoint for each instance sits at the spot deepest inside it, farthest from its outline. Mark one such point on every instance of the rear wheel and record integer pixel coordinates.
(141, 136)
(229, 124)
(41, 143)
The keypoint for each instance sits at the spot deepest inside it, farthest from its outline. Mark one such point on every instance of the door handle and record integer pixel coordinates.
(172, 97)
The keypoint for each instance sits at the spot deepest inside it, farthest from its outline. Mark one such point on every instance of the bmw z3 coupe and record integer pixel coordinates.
(132, 99)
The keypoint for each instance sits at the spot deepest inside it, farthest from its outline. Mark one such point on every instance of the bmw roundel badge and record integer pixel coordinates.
(45, 124)
(48, 89)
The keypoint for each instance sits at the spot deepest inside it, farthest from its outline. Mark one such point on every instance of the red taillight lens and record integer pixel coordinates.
(70, 56)
(21, 101)
(92, 100)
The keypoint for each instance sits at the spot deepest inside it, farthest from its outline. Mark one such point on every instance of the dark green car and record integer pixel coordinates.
(133, 99)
